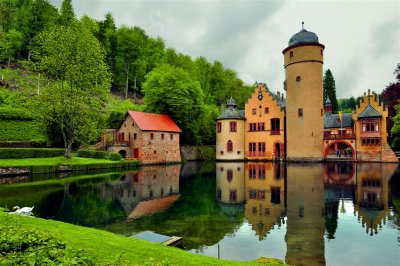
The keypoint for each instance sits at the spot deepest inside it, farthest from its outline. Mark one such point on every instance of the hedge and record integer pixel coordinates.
(92, 154)
(7, 113)
(24, 130)
(19, 153)
(115, 156)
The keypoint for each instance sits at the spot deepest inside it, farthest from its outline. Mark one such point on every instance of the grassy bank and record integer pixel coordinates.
(52, 164)
(105, 248)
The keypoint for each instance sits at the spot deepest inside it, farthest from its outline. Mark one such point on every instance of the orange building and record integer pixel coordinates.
(297, 128)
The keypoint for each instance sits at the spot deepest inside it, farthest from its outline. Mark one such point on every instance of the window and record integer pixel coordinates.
(162, 136)
(229, 175)
(229, 146)
(275, 126)
(219, 127)
(261, 126)
(171, 136)
(133, 124)
(291, 56)
(151, 136)
(266, 110)
(253, 127)
(298, 80)
(300, 112)
(254, 111)
(261, 146)
(252, 146)
(122, 136)
(232, 126)
(261, 172)
(232, 195)
(252, 172)
(370, 125)
(134, 136)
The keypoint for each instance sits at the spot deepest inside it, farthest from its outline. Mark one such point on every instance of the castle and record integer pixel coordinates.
(300, 127)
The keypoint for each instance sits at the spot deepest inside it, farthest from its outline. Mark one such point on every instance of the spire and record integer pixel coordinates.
(231, 103)
(302, 25)
(328, 105)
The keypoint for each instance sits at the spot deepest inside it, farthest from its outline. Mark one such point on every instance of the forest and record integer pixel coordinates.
(51, 56)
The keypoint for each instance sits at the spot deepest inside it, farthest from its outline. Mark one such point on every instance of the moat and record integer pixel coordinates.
(310, 214)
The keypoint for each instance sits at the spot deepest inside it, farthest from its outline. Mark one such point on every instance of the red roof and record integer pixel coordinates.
(154, 122)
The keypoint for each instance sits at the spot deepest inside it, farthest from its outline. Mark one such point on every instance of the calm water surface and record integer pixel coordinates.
(312, 214)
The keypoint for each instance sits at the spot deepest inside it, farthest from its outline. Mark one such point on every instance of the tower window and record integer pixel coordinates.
(300, 112)
(291, 56)
(254, 111)
(229, 146)
(219, 127)
(298, 80)
(232, 126)
(266, 110)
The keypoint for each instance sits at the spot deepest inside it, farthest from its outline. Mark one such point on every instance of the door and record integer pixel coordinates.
(136, 153)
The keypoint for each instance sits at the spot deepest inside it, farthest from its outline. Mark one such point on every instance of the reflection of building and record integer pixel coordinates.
(260, 186)
(151, 189)
(371, 204)
(265, 204)
(312, 134)
(305, 215)
(230, 182)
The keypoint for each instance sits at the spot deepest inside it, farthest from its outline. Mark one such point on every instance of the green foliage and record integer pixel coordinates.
(329, 89)
(14, 130)
(172, 91)
(18, 153)
(10, 44)
(207, 153)
(26, 246)
(115, 156)
(73, 58)
(92, 154)
(395, 131)
(67, 14)
(347, 105)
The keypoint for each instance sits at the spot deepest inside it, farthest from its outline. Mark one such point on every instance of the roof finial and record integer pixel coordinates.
(302, 25)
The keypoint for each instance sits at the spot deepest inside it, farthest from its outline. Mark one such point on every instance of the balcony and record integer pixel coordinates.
(275, 132)
(339, 136)
(255, 154)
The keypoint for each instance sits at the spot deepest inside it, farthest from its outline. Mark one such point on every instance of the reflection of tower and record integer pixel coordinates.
(264, 196)
(230, 182)
(303, 59)
(372, 195)
(305, 215)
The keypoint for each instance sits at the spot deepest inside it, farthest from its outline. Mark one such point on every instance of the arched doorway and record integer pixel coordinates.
(345, 148)
(278, 150)
(123, 153)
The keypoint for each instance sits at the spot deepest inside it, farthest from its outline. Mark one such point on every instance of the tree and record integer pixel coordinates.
(73, 59)
(11, 44)
(67, 14)
(130, 49)
(391, 96)
(329, 89)
(173, 91)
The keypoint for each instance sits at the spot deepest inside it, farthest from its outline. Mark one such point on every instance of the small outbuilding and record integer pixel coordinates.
(147, 137)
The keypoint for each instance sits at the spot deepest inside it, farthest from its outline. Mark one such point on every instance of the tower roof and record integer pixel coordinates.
(231, 102)
(369, 111)
(328, 101)
(303, 37)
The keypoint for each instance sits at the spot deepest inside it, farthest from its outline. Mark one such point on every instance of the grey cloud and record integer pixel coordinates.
(385, 37)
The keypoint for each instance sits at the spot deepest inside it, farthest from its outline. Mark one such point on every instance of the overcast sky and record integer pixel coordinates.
(361, 38)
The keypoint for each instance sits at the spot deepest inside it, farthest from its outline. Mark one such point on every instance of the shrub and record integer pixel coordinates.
(115, 157)
(24, 130)
(92, 154)
(39, 143)
(22, 246)
(19, 153)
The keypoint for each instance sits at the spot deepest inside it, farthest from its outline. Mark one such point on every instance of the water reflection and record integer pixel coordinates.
(310, 198)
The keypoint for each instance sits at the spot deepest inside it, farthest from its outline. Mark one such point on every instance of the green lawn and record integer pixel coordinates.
(51, 161)
(112, 249)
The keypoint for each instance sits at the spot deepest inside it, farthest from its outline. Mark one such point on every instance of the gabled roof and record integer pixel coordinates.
(332, 120)
(153, 122)
(369, 111)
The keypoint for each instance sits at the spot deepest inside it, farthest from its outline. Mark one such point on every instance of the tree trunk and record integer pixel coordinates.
(68, 149)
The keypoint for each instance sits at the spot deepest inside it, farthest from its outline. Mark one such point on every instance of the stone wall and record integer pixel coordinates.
(197, 153)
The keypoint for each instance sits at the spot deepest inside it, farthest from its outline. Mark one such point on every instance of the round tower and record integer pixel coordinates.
(230, 133)
(303, 59)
